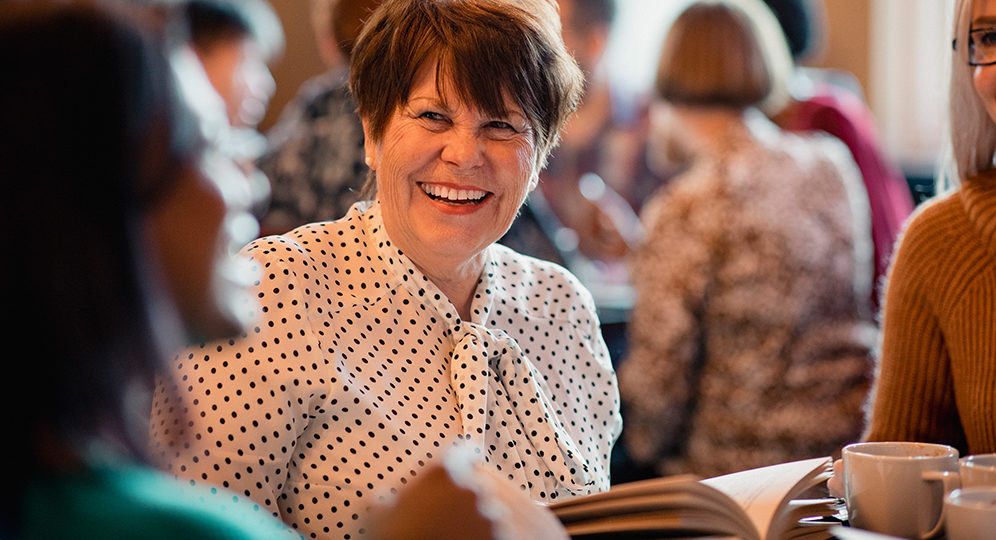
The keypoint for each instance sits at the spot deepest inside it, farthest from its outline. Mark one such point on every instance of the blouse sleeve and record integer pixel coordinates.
(600, 421)
(670, 273)
(232, 412)
(911, 399)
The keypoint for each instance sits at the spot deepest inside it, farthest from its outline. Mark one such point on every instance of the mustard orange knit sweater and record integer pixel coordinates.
(936, 379)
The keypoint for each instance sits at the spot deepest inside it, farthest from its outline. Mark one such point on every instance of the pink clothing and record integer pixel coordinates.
(844, 115)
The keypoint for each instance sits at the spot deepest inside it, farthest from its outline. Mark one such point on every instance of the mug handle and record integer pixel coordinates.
(950, 480)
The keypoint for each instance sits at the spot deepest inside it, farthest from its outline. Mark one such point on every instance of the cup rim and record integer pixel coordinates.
(970, 459)
(960, 494)
(857, 449)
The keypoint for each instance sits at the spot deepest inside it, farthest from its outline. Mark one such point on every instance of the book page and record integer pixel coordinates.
(663, 506)
(627, 491)
(765, 492)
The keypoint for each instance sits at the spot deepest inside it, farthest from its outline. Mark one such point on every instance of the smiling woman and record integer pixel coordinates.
(388, 337)
(451, 180)
(936, 377)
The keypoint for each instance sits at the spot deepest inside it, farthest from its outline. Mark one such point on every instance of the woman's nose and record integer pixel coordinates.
(463, 149)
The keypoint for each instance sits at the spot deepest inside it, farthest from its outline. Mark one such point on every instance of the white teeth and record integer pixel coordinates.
(450, 194)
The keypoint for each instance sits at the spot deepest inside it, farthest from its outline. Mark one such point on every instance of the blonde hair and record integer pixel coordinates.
(971, 132)
(729, 53)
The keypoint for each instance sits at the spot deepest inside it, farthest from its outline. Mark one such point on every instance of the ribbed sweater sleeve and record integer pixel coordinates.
(936, 374)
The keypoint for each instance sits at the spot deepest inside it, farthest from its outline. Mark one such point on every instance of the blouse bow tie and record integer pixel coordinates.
(518, 394)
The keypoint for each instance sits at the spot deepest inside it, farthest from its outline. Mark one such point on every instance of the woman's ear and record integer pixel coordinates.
(369, 147)
(534, 181)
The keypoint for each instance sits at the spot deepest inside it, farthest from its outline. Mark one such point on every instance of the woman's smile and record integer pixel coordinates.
(459, 196)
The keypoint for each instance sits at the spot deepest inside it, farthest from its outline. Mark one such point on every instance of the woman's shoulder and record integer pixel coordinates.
(510, 265)
(936, 221)
(323, 237)
(812, 150)
(543, 287)
(937, 239)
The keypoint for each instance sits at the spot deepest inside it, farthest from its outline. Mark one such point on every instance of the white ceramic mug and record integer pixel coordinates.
(978, 470)
(970, 513)
(898, 488)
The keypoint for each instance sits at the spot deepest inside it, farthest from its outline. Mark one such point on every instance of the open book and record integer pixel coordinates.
(758, 504)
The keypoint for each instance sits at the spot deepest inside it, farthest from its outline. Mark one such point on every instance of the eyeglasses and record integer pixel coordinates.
(982, 46)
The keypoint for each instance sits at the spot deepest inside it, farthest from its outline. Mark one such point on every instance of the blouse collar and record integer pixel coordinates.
(421, 286)
(488, 363)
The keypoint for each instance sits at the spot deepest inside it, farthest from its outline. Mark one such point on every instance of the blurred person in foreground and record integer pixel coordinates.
(748, 343)
(314, 153)
(121, 219)
(388, 338)
(831, 100)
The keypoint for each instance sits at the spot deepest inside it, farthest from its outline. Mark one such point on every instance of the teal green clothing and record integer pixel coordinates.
(139, 502)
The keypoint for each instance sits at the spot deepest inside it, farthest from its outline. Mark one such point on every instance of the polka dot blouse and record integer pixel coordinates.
(359, 373)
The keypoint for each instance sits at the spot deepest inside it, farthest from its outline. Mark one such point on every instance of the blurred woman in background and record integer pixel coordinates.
(314, 153)
(750, 335)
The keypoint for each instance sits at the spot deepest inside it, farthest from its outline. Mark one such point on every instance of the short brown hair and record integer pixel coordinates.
(490, 49)
(721, 53)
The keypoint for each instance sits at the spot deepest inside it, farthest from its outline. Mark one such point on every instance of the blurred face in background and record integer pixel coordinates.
(586, 43)
(196, 230)
(201, 222)
(237, 70)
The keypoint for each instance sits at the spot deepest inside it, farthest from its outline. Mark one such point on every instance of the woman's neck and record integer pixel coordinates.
(457, 281)
(704, 128)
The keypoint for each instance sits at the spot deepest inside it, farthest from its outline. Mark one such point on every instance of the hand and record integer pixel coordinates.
(463, 500)
(836, 482)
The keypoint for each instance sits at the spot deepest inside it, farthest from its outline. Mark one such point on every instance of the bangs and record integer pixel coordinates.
(489, 56)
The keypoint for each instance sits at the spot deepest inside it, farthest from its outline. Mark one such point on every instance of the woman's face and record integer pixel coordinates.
(450, 178)
(196, 229)
(984, 77)
(238, 72)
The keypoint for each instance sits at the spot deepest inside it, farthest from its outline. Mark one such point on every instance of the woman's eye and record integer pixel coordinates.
(432, 115)
(500, 124)
(984, 37)
(501, 130)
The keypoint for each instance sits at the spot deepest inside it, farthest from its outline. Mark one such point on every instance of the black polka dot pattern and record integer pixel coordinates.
(359, 373)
